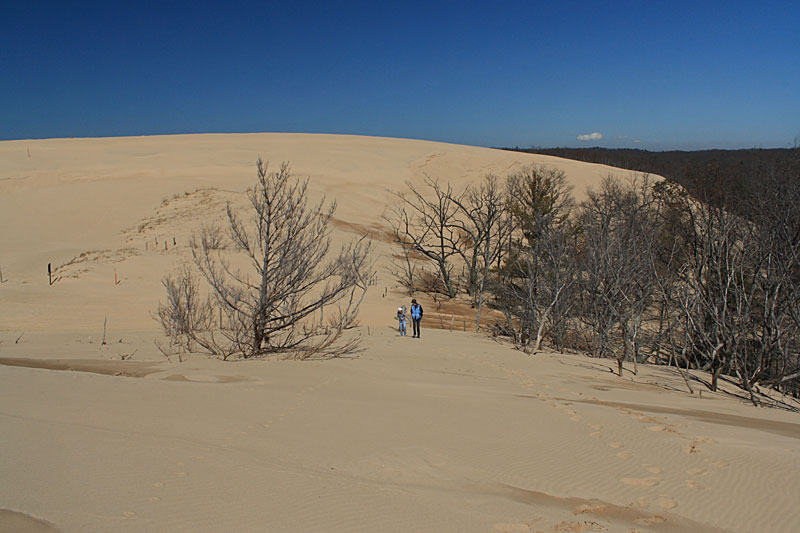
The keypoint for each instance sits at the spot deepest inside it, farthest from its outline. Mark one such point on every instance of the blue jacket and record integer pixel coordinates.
(416, 311)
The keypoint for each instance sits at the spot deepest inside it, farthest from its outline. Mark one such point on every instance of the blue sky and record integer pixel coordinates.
(656, 75)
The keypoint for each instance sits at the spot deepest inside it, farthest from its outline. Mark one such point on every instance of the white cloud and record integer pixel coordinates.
(637, 141)
(590, 137)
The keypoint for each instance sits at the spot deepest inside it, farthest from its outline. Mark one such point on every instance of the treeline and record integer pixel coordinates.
(639, 271)
(700, 171)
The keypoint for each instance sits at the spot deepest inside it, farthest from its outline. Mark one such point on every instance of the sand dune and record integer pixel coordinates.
(95, 206)
(452, 432)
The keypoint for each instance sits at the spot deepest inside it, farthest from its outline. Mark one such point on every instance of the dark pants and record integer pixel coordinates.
(416, 322)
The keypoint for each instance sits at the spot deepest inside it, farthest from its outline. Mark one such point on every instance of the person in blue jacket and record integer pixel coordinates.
(416, 317)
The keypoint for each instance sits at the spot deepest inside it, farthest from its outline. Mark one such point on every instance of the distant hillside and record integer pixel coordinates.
(702, 172)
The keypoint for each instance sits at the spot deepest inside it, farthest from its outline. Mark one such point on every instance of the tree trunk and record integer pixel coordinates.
(480, 305)
(714, 377)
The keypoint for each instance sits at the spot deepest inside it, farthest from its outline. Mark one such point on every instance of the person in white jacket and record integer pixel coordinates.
(401, 320)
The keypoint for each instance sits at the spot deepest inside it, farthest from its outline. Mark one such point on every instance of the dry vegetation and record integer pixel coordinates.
(80, 264)
(270, 280)
(640, 271)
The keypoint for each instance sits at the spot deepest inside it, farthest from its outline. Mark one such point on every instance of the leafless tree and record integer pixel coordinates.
(617, 224)
(427, 221)
(404, 269)
(533, 284)
(188, 318)
(776, 213)
(211, 236)
(671, 230)
(742, 285)
(482, 219)
(274, 277)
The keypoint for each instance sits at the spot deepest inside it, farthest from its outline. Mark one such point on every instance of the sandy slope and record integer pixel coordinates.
(93, 206)
(453, 432)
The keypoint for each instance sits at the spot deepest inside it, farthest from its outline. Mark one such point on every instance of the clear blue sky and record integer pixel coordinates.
(657, 75)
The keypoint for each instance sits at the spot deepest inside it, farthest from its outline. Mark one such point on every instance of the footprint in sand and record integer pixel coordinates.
(158, 484)
(153, 499)
(650, 520)
(657, 428)
(694, 446)
(595, 434)
(576, 418)
(583, 525)
(590, 509)
(624, 455)
(641, 481)
(180, 474)
(666, 502)
(596, 427)
(663, 501)
(652, 469)
(511, 528)
(692, 484)
(719, 465)
(616, 445)
(696, 471)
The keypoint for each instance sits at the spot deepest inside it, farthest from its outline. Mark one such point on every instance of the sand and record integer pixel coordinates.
(452, 432)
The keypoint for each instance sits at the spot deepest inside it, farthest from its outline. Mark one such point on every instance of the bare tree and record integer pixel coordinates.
(276, 274)
(211, 236)
(188, 318)
(728, 279)
(617, 224)
(427, 221)
(483, 221)
(533, 284)
(671, 230)
(742, 285)
(777, 216)
(404, 268)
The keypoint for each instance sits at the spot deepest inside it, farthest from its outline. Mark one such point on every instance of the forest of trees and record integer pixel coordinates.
(641, 271)
(697, 171)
